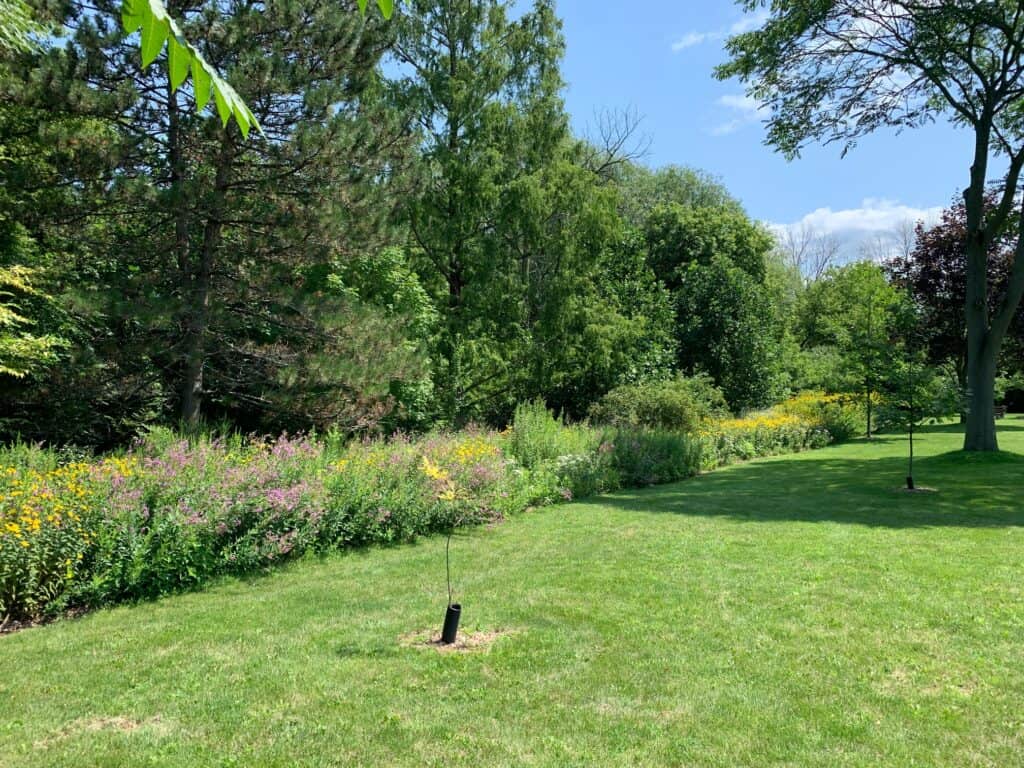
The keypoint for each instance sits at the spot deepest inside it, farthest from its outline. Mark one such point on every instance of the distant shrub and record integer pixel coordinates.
(538, 436)
(843, 416)
(761, 434)
(680, 404)
(644, 457)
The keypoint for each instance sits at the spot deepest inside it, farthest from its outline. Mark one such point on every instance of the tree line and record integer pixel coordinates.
(414, 238)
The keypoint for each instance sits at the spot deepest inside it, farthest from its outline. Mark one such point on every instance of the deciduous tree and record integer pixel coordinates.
(837, 70)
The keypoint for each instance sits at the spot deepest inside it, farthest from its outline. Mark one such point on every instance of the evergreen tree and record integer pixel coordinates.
(212, 254)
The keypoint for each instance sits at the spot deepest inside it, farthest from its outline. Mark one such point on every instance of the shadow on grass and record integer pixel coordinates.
(971, 491)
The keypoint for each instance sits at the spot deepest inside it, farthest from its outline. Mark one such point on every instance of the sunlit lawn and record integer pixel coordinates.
(796, 611)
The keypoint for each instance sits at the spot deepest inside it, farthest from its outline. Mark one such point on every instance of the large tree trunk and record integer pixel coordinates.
(201, 285)
(982, 352)
(980, 430)
(982, 349)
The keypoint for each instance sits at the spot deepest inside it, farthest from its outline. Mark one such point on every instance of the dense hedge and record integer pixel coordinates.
(172, 513)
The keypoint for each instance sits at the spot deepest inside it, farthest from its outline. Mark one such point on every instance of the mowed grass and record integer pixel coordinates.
(796, 611)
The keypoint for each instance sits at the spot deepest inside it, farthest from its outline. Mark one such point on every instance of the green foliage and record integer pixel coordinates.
(725, 328)
(503, 221)
(714, 262)
(644, 457)
(856, 311)
(680, 404)
(538, 436)
(842, 416)
(156, 27)
(32, 323)
(679, 236)
(21, 351)
(767, 433)
(199, 268)
(642, 190)
(17, 27)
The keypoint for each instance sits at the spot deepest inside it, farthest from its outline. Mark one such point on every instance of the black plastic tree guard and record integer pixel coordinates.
(451, 624)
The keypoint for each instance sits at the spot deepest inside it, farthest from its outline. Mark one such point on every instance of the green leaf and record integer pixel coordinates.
(201, 82)
(131, 17)
(154, 34)
(222, 102)
(362, 6)
(243, 117)
(157, 27)
(178, 61)
(387, 7)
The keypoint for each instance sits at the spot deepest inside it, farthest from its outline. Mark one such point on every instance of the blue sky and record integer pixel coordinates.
(659, 61)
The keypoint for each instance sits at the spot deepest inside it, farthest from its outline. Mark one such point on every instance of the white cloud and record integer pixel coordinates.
(874, 215)
(749, 22)
(748, 105)
(745, 24)
(745, 110)
(724, 129)
(864, 231)
(689, 40)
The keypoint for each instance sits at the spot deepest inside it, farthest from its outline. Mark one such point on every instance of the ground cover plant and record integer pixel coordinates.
(796, 610)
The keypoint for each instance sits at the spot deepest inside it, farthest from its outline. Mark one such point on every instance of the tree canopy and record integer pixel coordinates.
(834, 71)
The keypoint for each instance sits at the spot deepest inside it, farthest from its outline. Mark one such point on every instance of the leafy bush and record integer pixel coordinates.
(843, 416)
(568, 460)
(681, 404)
(763, 434)
(537, 436)
(649, 456)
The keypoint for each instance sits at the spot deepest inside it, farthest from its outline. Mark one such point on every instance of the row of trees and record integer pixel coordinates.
(413, 238)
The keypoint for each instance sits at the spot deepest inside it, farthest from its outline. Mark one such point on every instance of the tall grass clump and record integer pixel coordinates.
(537, 436)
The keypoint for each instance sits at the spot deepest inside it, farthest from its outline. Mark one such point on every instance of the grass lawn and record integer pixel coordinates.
(795, 611)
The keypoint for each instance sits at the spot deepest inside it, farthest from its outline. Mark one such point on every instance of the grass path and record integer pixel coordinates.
(792, 612)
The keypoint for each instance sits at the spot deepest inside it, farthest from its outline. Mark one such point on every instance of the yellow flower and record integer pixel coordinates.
(434, 472)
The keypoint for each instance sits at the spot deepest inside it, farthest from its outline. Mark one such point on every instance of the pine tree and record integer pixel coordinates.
(217, 250)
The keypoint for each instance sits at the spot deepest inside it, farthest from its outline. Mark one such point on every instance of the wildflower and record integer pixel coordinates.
(434, 472)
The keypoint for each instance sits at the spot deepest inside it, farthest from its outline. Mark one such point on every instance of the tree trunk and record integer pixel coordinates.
(869, 404)
(980, 431)
(982, 354)
(199, 315)
(982, 350)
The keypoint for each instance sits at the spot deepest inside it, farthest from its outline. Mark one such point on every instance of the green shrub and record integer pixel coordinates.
(644, 457)
(537, 436)
(681, 404)
(842, 416)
